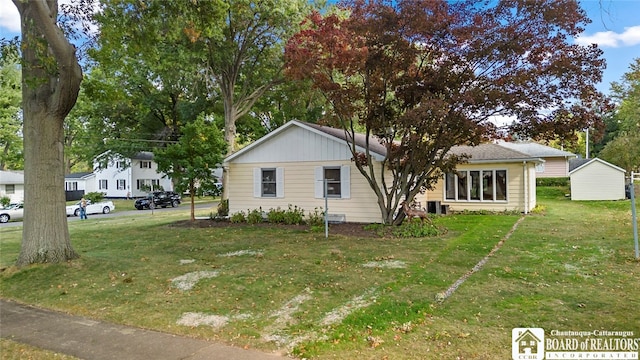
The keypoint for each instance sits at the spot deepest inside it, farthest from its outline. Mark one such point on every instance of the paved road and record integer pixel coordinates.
(133, 212)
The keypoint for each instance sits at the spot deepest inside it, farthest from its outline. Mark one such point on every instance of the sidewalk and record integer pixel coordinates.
(94, 340)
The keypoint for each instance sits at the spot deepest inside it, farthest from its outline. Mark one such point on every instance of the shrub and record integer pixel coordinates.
(415, 228)
(5, 200)
(238, 217)
(94, 196)
(223, 208)
(316, 218)
(254, 216)
(294, 216)
(276, 216)
(555, 181)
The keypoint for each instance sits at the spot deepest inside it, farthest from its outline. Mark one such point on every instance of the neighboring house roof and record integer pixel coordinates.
(79, 175)
(143, 155)
(492, 153)
(11, 177)
(536, 150)
(479, 154)
(577, 164)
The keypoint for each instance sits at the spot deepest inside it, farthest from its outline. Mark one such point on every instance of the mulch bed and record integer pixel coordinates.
(345, 229)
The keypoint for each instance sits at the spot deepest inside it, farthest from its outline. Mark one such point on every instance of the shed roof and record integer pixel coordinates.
(578, 164)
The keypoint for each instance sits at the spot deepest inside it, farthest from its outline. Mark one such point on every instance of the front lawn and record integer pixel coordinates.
(291, 290)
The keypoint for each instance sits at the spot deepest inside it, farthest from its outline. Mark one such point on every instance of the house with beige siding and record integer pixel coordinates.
(290, 165)
(596, 179)
(556, 162)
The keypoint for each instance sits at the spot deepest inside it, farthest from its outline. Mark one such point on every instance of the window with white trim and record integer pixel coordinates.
(71, 185)
(145, 164)
(476, 185)
(151, 184)
(121, 164)
(338, 179)
(121, 184)
(102, 184)
(268, 182)
(10, 189)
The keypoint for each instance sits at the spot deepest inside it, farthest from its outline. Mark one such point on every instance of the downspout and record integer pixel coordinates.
(525, 181)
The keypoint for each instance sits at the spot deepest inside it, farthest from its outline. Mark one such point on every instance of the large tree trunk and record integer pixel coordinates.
(51, 79)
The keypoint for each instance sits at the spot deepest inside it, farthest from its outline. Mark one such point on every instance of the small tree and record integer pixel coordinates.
(194, 157)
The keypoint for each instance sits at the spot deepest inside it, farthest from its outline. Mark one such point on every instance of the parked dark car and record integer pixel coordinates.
(158, 199)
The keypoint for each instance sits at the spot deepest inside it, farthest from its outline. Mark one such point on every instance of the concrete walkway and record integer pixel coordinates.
(95, 340)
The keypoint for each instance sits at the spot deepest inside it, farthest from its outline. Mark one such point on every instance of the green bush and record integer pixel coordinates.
(276, 216)
(415, 228)
(316, 218)
(255, 216)
(555, 181)
(294, 216)
(94, 196)
(238, 217)
(5, 200)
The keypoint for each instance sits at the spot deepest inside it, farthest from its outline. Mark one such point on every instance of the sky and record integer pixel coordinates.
(615, 27)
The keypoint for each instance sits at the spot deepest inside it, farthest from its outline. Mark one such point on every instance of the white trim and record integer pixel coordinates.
(280, 182)
(345, 182)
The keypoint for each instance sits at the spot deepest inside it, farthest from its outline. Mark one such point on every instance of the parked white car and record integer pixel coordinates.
(11, 212)
(103, 207)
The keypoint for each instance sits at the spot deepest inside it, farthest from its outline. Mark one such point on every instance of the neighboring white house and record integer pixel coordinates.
(12, 185)
(81, 181)
(130, 177)
(289, 166)
(556, 162)
(596, 179)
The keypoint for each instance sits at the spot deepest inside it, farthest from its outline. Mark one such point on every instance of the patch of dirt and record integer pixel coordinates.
(344, 229)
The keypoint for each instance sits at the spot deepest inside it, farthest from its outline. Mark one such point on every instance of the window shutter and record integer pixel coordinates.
(280, 182)
(257, 182)
(345, 181)
(319, 183)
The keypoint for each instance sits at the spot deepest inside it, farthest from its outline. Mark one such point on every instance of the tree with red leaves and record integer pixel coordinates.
(422, 76)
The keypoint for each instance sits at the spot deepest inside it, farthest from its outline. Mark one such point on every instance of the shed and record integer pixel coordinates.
(596, 179)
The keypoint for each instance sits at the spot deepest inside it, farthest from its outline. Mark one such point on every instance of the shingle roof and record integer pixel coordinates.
(535, 149)
(486, 152)
(11, 177)
(480, 153)
(360, 139)
(78, 175)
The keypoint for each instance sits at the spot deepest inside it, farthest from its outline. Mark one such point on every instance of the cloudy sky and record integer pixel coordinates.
(615, 28)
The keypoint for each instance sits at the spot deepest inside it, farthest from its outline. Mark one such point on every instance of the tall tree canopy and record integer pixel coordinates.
(11, 156)
(51, 78)
(422, 76)
(624, 124)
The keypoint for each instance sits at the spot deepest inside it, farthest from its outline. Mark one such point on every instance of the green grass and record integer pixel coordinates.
(560, 268)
